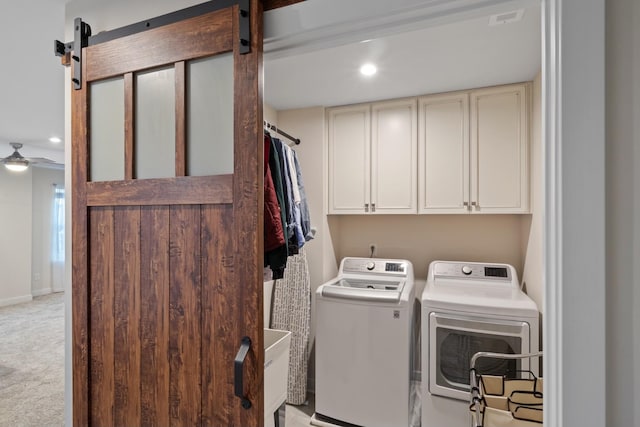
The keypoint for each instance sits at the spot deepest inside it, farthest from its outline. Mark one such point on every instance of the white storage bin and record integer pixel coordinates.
(268, 291)
(276, 370)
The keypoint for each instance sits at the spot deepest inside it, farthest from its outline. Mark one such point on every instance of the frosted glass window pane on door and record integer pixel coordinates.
(210, 116)
(106, 144)
(155, 152)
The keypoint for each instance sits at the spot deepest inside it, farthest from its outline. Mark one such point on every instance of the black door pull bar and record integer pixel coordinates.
(238, 368)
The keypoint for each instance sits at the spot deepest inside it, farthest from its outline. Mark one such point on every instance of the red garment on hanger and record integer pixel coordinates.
(273, 232)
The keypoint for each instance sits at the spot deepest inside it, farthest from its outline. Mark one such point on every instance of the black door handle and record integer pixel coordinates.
(238, 370)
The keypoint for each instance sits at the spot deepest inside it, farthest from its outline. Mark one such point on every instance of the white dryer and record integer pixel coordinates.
(469, 307)
(363, 344)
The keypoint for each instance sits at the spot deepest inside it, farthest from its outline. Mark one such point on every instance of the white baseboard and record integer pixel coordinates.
(15, 300)
(40, 292)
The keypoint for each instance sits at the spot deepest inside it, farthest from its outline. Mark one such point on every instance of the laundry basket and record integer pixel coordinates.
(498, 401)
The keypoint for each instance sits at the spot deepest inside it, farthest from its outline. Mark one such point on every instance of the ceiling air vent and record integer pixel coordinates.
(506, 17)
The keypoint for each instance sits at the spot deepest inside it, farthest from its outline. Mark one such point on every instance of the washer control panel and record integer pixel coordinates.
(499, 272)
(372, 265)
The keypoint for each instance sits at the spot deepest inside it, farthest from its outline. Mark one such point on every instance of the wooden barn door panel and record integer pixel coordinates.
(219, 273)
(101, 320)
(154, 315)
(126, 313)
(166, 270)
(184, 315)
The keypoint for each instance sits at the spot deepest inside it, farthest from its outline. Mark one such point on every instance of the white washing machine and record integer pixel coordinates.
(469, 307)
(364, 345)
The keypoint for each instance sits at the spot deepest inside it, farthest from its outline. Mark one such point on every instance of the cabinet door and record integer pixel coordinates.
(394, 157)
(349, 159)
(443, 154)
(500, 149)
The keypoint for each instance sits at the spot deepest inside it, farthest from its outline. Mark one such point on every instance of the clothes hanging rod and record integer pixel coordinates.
(274, 128)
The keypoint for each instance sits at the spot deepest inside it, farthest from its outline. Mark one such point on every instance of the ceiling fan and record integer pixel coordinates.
(17, 162)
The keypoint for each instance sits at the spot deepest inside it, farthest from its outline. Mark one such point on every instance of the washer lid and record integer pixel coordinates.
(365, 289)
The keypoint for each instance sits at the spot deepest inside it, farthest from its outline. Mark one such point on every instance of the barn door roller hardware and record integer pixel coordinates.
(81, 34)
(245, 26)
(83, 37)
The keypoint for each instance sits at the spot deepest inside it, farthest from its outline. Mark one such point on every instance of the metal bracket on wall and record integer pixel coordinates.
(83, 38)
(81, 32)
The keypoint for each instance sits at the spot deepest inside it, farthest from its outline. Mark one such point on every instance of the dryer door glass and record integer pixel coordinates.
(456, 349)
(454, 340)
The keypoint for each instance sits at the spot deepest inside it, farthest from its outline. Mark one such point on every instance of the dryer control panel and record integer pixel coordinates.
(373, 265)
(475, 271)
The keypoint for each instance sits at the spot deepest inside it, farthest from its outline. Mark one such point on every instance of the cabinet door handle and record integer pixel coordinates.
(238, 372)
(466, 205)
(475, 205)
(366, 207)
(373, 207)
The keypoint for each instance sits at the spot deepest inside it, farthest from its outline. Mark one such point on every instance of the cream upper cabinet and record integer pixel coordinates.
(372, 158)
(349, 137)
(473, 151)
(394, 169)
(443, 153)
(500, 149)
(454, 153)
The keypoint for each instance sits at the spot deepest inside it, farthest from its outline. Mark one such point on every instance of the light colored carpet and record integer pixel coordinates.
(32, 363)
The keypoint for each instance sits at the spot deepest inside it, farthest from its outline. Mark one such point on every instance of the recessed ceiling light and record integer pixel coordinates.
(368, 69)
(55, 139)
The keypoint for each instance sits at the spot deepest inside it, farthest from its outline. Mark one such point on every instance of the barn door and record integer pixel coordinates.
(167, 220)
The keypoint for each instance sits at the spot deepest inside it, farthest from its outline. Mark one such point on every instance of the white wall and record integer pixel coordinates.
(270, 114)
(309, 125)
(635, 283)
(104, 16)
(623, 212)
(533, 273)
(15, 237)
(25, 240)
(42, 211)
(575, 347)
(425, 238)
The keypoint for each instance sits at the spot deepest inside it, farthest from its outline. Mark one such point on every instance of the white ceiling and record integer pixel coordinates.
(313, 50)
(439, 51)
(31, 77)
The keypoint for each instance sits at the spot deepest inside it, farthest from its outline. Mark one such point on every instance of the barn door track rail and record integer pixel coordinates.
(83, 38)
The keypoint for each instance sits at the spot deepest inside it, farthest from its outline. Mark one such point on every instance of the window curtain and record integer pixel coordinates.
(57, 240)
